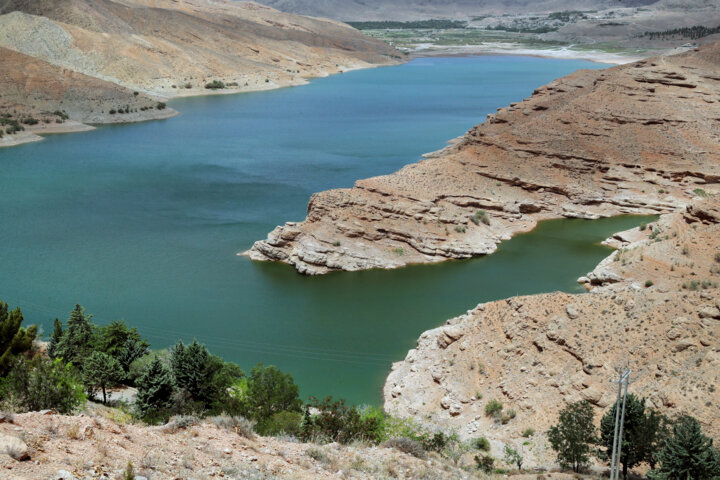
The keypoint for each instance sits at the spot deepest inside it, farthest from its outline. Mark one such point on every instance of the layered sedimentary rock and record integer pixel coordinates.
(654, 306)
(638, 138)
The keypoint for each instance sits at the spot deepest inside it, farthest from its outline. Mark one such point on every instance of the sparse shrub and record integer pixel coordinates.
(30, 121)
(129, 472)
(112, 111)
(507, 416)
(180, 422)
(513, 457)
(528, 432)
(188, 85)
(240, 425)
(460, 229)
(316, 454)
(648, 283)
(161, 106)
(407, 445)
(700, 192)
(399, 251)
(480, 216)
(643, 227)
(493, 407)
(485, 463)
(717, 257)
(482, 444)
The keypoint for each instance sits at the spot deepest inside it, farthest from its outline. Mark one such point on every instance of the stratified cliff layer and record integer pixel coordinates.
(638, 138)
(656, 309)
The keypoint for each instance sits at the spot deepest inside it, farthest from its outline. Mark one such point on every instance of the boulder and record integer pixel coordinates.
(14, 447)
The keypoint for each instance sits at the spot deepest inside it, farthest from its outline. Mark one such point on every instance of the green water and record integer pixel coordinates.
(143, 221)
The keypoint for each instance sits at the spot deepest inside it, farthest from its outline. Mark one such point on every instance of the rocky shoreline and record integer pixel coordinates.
(653, 304)
(633, 139)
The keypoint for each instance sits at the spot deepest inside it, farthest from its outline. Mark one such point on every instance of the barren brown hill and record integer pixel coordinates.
(655, 307)
(175, 47)
(32, 87)
(637, 139)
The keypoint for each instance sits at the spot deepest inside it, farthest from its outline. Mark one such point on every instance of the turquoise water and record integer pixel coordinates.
(143, 221)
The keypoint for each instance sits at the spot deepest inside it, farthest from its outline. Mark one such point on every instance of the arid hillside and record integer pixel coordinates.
(106, 61)
(634, 139)
(100, 443)
(654, 306)
(154, 45)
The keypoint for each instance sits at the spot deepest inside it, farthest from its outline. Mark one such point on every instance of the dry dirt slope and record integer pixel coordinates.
(33, 88)
(152, 45)
(638, 138)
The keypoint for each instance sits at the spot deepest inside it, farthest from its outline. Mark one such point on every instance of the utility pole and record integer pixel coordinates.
(623, 381)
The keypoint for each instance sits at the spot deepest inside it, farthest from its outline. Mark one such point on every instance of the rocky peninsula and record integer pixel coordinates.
(639, 138)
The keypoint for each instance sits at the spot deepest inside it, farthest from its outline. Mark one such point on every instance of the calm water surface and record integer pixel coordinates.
(143, 221)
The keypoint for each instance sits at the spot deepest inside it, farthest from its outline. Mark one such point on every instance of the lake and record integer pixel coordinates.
(142, 222)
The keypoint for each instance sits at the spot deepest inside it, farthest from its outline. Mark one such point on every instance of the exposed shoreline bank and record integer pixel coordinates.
(36, 133)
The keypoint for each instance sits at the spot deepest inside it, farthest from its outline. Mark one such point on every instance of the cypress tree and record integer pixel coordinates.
(688, 454)
(154, 388)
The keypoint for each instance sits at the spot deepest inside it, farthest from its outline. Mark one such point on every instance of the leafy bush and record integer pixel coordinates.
(574, 435)
(161, 106)
(337, 422)
(41, 384)
(283, 423)
(406, 445)
(215, 85)
(492, 407)
(30, 121)
(266, 392)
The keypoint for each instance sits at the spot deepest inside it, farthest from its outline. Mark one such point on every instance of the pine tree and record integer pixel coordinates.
(55, 338)
(101, 370)
(154, 388)
(688, 454)
(189, 367)
(574, 435)
(13, 338)
(76, 342)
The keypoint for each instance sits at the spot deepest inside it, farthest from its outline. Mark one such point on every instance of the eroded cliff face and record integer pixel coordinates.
(655, 307)
(638, 138)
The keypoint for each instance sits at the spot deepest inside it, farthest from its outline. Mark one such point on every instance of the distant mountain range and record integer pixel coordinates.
(359, 10)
